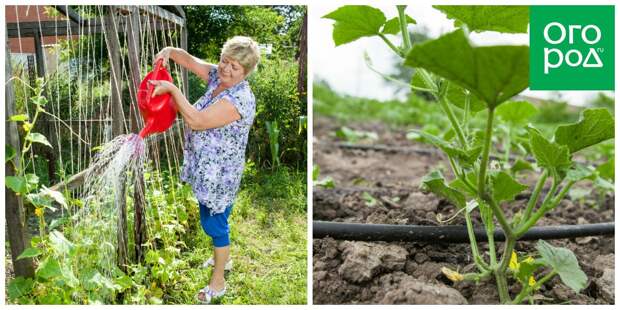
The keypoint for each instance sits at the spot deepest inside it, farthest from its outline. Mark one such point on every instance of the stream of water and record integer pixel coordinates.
(96, 222)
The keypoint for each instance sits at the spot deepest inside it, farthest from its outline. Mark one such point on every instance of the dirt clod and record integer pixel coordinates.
(605, 285)
(405, 289)
(422, 202)
(364, 260)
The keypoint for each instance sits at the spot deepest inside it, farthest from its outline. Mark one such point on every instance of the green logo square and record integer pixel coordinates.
(572, 47)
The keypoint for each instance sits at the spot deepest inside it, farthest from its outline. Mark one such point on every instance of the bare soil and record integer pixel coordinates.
(350, 272)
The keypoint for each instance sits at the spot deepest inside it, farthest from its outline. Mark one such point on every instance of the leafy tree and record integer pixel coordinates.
(210, 26)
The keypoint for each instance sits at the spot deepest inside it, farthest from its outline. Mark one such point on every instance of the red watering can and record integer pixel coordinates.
(160, 111)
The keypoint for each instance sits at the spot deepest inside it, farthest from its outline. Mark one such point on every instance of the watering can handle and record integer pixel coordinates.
(150, 86)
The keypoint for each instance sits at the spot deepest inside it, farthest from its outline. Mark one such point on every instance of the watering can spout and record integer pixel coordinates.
(159, 112)
(144, 132)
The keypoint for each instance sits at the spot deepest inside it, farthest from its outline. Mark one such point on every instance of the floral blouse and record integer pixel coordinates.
(214, 158)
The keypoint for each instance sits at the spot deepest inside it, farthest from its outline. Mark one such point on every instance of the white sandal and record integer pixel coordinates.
(211, 262)
(209, 294)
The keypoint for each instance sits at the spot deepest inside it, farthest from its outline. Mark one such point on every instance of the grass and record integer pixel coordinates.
(414, 110)
(268, 244)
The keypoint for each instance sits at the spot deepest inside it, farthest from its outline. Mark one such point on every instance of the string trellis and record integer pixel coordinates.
(80, 89)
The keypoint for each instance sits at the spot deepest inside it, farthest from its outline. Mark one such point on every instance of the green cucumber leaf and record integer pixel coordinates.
(564, 262)
(56, 195)
(493, 73)
(31, 179)
(69, 276)
(30, 252)
(516, 112)
(60, 244)
(521, 165)
(434, 182)
(456, 96)
(578, 173)
(467, 157)
(595, 126)
(16, 183)
(504, 187)
(606, 170)
(36, 137)
(392, 26)
(9, 153)
(49, 268)
(460, 185)
(479, 18)
(549, 154)
(354, 22)
(20, 286)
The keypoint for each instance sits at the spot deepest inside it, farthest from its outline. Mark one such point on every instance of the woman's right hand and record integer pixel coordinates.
(163, 54)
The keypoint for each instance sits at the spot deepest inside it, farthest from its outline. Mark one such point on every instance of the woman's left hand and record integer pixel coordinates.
(162, 87)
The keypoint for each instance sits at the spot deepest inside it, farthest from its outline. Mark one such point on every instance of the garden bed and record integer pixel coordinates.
(382, 187)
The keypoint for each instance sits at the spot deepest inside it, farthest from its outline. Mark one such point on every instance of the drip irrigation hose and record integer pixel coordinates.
(447, 234)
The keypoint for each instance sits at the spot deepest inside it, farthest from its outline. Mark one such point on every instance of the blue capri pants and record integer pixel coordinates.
(216, 226)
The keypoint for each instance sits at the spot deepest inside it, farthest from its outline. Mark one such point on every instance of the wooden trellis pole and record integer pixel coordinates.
(15, 222)
(184, 74)
(47, 127)
(133, 38)
(118, 126)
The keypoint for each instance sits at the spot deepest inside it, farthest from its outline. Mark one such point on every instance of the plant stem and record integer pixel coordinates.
(534, 197)
(507, 144)
(468, 184)
(482, 192)
(501, 218)
(476, 276)
(403, 28)
(485, 155)
(500, 271)
(27, 144)
(455, 169)
(552, 190)
(480, 263)
(544, 209)
(455, 125)
(528, 289)
(397, 81)
(490, 228)
(428, 80)
(42, 227)
(466, 113)
(478, 260)
(391, 45)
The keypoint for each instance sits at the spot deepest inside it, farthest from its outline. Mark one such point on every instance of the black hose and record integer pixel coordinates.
(447, 234)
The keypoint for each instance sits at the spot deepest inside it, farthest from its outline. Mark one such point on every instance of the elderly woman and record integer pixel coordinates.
(215, 143)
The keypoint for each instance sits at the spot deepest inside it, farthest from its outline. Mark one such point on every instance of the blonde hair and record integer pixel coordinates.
(244, 50)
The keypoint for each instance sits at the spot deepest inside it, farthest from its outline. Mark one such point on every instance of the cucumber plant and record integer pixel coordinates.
(472, 79)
